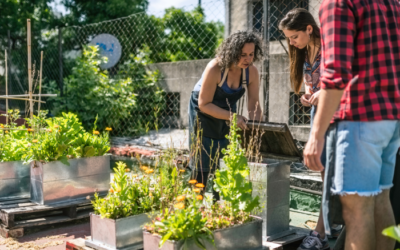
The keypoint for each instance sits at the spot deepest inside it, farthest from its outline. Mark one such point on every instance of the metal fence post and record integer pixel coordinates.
(10, 90)
(60, 61)
(266, 21)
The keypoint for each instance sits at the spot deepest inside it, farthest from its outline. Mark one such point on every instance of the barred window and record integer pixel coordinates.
(298, 114)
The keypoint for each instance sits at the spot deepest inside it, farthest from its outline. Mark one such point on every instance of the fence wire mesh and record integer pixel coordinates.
(128, 96)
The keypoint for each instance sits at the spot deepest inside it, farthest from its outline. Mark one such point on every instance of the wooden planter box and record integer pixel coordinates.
(123, 233)
(240, 237)
(14, 180)
(55, 182)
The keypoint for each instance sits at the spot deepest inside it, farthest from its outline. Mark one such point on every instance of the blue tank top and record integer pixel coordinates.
(224, 86)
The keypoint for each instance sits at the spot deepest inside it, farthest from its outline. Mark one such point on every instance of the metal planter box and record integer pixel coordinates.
(124, 233)
(55, 182)
(14, 180)
(241, 237)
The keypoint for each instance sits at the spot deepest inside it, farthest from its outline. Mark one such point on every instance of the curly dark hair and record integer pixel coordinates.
(229, 52)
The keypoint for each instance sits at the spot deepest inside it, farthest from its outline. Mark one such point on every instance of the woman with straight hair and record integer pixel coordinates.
(304, 42)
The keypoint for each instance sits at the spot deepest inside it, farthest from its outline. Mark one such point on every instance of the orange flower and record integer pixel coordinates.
(192, 182)
(56, 126)
(199, 197)
(6, 132)
(197, 190)
(180, 198)
(49, 130)
(149, 171)
(127, 170)
(108, 129)
(151, 195)
(111, 190)
(1, 125)
(96, 132)
(182, 170)
(59, 130)
(35, 141)
(200, 185)
(144, 168)
(180, 205)
(30, 130)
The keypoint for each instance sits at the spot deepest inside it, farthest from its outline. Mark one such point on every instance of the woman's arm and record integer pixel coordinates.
(253, 104)
(212, 77)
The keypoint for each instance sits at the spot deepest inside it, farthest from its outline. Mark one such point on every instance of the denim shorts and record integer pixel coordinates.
(363, 156)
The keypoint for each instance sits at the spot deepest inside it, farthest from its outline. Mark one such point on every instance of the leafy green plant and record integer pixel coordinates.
(231, 181)
(393, 232)
(128, 195)
(183, 223)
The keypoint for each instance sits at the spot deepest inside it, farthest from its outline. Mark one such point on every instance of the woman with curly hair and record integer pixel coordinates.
(214, 99)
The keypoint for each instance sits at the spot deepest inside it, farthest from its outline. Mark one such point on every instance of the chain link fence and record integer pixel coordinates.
(128, 95)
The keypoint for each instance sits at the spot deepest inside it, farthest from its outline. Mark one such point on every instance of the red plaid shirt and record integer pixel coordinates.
(361, 54)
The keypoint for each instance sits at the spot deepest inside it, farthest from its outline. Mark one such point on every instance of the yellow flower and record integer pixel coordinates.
(49, 130)
(6, 131)
(30, 130)
(149, 171)
(1, 125)
(96, 132)
(199, 197)
(144, 168)
(200, 185)
(56, 126)
(108, 129)
(182, 170)
(151, 195)
(192, 182)
(134, 175)
(197, 190)
(118, 190)
(180, 198)
(180, 206)
(35, 141)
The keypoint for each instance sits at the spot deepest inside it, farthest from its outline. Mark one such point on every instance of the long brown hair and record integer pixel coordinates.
(298, 20)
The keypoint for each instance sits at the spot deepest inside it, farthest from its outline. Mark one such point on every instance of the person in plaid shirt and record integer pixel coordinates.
(359, 108)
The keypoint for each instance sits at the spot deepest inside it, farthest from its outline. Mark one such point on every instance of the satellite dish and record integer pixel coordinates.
(109, 47)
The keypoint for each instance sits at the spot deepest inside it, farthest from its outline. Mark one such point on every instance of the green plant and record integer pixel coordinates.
(128, 195)
(89, 92)
(184, 223)
(393, 232)
(64, 138)
(231, 181)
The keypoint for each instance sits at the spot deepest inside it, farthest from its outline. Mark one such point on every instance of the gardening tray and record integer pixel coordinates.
(14, 180)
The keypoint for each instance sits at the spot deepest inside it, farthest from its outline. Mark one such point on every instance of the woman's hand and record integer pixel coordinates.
(305, 100)
(241, 122)
(314, 98)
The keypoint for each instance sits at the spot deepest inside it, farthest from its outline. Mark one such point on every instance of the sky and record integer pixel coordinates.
(214, 9)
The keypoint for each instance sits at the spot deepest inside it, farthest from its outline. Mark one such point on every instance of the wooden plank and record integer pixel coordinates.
(14, 233)
(70, 211)
(7, 219)
(39, 208)
(13, 201)
(9, 206)
(51, 220)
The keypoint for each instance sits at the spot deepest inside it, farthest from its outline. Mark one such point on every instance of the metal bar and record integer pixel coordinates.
(60, 61)
(306, 190)
(22, 99)
(9, 58)
(227, 17)
(40, 79)
(6, 73)
(29, 67)
(266, 25)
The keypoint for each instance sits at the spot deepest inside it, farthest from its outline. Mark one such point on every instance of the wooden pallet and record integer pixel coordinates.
(19, 214)
(77, 244)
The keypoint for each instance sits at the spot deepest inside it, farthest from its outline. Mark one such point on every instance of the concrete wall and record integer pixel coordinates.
(181, 77)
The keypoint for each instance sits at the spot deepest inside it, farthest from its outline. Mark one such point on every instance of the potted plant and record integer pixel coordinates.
(68, 163)
(14, 143)
(230, 221)
(118, 218)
